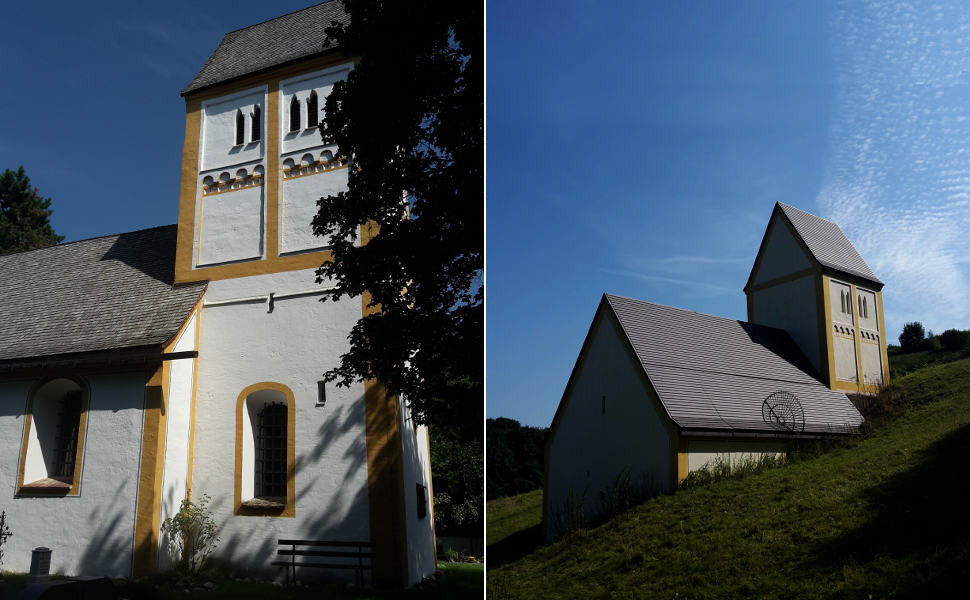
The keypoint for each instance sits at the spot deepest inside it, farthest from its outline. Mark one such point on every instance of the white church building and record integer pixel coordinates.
(143, 368)
(658, 392)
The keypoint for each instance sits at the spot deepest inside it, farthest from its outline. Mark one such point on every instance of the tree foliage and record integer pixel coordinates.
(410, 119)
(192, 533)
(954, 340)
(913, 337)
(515, 457)
(458, 471)
(24, 215)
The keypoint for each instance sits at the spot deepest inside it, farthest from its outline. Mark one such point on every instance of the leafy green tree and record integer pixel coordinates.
(953, 340)
(24, 215)
(458, 471)
(515, 457)
(912, 339)
(410, 119)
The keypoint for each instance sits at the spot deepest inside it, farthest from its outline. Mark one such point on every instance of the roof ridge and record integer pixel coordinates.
(292, 12)
(783, 205)
(687, 310)
(90, 239)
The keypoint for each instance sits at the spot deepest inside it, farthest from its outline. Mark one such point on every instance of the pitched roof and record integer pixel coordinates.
(269, 44)
(828, 244)
(713, 373)
(102, 294)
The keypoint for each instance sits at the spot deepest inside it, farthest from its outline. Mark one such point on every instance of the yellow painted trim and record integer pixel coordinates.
(857, 332)
(190, 195)
(325, 168)
(251, 181)
(385, 475)
(81, 435)
(882, 337)
(829, 343)
(290, 509)
(784, 279)
(148, 511)
(682, 448)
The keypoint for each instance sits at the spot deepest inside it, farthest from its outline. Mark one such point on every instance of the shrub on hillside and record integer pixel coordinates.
(953, 340)
(912, 337)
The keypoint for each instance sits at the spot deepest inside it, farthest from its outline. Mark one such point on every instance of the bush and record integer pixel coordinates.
(912, 338)
(192, 534)
(953, 340)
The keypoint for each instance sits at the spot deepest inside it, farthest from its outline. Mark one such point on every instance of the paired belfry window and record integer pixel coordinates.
(240, 128)
(846, 302)
(256, 125)
(312, 110)
(294, 114)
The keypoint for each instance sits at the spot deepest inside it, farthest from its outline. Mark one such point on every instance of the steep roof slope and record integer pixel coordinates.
(828, 244)
(715, 374)
(106, 293)
(269, 44)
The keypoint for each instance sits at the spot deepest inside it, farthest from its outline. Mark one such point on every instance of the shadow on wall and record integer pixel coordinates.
(918, 528)
(107, 552)
(345, 518)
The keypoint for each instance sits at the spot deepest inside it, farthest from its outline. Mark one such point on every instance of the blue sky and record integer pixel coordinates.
(638, 149)
(91, 106)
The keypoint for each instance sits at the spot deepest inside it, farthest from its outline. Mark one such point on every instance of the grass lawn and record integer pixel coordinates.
(456, 580)
(885, 517)
(513, 527)
(904, 364)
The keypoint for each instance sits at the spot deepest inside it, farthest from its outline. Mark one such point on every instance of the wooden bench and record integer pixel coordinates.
(330, 549)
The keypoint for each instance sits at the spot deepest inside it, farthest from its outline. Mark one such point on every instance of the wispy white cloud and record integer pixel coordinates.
(696, 285)
(899, 176)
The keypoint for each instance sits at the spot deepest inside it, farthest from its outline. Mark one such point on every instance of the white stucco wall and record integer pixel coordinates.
(322, 82)
(420, 531)
(701, 453)
(242, 344)
(589, 449)
(178, 423)
(231, 226)
(300, 196)
(870, 338)
(791, 306)
(91, 533)
(782, 255)
(218, 141)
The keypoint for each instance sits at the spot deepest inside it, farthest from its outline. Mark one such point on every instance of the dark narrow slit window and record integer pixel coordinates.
(240, 127)
(604, 405)
(65, 441)
(257, 122)
(312, 110)
(321, 393)
(270, 480)
(422, 497)
(294, 114)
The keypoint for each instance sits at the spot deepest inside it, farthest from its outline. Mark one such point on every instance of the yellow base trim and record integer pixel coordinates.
(148, 511)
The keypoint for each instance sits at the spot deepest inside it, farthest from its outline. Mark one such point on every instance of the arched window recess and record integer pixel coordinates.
(256, 124)
(312, 110)
(264, 479)
(240, 127)
(294, 114)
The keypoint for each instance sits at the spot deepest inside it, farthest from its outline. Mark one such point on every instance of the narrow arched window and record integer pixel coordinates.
(294, 114)
(65, 438)
(256, 126)
(270, 447)
(865, 308)
(842, 298)
(240, 127)
(860, 307)
(312, 110)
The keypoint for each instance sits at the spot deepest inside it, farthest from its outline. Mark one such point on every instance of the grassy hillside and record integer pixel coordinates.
(885, 517)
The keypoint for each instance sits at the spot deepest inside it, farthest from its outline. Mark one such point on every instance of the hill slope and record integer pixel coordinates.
(888, 516)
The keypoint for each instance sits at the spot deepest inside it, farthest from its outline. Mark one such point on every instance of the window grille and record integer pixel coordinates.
(270, 480)
(65, 440)
(294, 114)
(312, 110)
(257, 122)
(240, 127)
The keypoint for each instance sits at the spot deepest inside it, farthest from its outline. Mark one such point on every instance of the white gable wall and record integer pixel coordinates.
(590, 450)
(782, 254)
(791, 306)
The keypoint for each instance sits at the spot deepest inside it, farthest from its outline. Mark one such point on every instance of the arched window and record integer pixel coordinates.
(842, 297)
(312, 110)
(256, 127)
(53, 438)
(265, 451)
(294, 114)
(240, 127)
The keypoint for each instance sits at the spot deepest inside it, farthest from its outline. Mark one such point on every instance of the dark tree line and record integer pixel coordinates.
(515, 457)
(914, 338)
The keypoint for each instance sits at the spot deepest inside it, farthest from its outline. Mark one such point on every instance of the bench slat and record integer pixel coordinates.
(330, 553)
(321, 565)
(341, 544)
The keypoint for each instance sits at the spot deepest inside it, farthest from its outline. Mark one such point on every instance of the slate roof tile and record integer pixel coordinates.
(828, 244)
(269, 44)
(107, 293)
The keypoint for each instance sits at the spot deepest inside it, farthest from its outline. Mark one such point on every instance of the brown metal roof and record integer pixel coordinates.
(828, 244)
(714, 373)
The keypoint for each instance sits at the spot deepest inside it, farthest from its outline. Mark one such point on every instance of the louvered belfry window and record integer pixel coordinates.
(65, 440)
(271, 452)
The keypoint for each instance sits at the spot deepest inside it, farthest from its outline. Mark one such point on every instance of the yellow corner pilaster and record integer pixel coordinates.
(148, 511)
